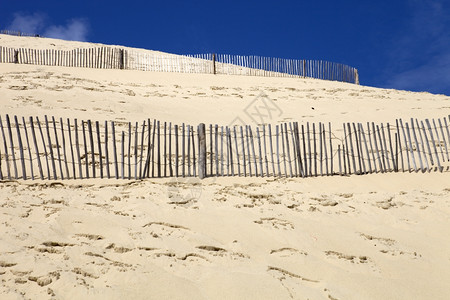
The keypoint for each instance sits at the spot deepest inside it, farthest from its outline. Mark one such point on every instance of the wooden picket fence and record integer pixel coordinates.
(57, 149)
(18, 33)
(117, 58)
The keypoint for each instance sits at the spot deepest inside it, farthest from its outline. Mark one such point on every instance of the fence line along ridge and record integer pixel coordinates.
(118, 58)
(52, 148)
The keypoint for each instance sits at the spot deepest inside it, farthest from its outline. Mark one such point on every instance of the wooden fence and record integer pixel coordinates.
(18, 33)
(50, 148)
(117, 58)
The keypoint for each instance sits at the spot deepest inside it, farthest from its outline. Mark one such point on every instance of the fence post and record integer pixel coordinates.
(122, 59)
(16, 56)
(214, 63)
(201, 151)
(356, 77)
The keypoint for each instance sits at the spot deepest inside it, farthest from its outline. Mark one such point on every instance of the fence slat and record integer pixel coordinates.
(237, 152)
(423, 146)
(193, 152)
(417, 145)
(33, 133)
(22, 156)
(438, 140)
(380, 164)
(394, 162)
(243, 152)
(100, 156)
(8, 124)
(123, 155)
(443, 138)
(176, 150)
(428, 144)
(86, 157)
(253, 150)
(260, 153)
(50, 148)
(410, 147)
(71, 149)
(278, 151)
(385, 150)
(108, 174)
(57, 148)
(116, 165)
(434, 144)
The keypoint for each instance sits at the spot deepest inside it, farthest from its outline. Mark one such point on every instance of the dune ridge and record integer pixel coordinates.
(378, 236)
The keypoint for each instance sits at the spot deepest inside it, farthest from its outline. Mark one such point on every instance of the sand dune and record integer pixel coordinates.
(381, 236)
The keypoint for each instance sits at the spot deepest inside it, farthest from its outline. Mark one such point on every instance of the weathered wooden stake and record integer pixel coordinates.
(116, 165)
(28, 147)
(193, 152)
(159, 149)
(57, 148)
(243, 152)
(428, 144)
(411, 148)
(406, 144)
(443, 138)
(136, 138)
(170, 150)
(6, 150)
(8, 124)
(201, 151)
(176, 150)
(22, 157)
(85, 150)
(278, 152)
(100, 156)
(260, 153)
(41, 173)
(438, 140)
(352, 153)
(434, 144)
(271, 150)
(376, 147)
(423, 145)
(384, 143)
(253, 150)
(108, 173)
(417, 145)
(345, 152)
(237, 152)
(123, 155)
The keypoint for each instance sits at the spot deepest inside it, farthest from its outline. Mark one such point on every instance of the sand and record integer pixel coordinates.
(380, 236)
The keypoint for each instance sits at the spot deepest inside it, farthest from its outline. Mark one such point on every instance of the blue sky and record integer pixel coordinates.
(401, 44)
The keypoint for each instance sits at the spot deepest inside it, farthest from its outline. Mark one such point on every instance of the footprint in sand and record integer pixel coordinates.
(286, 252)
(217, 251)
(386, 204)
(159, 229)
(388, 246)
(295, 284)
(275, 223)
(360, 260)
(94, 237)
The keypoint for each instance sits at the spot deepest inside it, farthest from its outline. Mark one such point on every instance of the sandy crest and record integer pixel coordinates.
(381, 236)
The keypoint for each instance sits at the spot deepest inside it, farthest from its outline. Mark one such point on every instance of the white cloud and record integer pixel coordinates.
(36, 23)
(30, 24)
(432, 76)
(75, 30)
(420, 58)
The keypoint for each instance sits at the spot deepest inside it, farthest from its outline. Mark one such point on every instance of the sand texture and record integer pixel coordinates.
(379, 236)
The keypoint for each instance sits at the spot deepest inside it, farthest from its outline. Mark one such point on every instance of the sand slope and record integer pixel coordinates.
(337, 238)
(383, 236)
